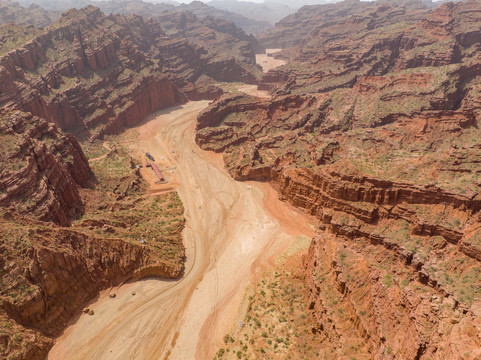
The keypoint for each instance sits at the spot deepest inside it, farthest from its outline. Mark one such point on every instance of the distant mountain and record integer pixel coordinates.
(138, 7)
(250, 26)
(270, 12)
(147, 9)
(296, 4)
(295, 28)
(12, 12)
(56, 4)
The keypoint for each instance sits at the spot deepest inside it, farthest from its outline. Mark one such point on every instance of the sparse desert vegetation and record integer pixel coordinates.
(278, 322)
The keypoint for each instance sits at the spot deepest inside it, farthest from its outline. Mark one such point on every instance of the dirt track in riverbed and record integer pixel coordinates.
(233, 229)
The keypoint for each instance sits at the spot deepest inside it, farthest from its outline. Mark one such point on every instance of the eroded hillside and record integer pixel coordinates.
(92, 74)
(373, 128)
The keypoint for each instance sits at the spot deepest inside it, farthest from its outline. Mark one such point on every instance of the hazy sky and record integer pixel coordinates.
(286, 2)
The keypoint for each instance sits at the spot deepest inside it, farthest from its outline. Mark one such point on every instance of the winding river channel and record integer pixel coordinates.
(233, 231)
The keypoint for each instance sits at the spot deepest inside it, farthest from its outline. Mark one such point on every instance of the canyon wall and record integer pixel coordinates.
(91, 74)
(373, 129)
(49, 273)
(42, 168)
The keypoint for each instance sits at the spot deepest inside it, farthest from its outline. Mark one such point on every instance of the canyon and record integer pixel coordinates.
(237, 229)
(62, 74)
(321, 199)
(374, 135)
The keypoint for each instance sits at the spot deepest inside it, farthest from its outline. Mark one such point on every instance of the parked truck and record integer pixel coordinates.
(149, 156)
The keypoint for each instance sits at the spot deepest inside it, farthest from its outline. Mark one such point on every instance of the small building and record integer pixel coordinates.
(156, 171)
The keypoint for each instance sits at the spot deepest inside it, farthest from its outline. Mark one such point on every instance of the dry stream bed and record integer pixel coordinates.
(233, 231)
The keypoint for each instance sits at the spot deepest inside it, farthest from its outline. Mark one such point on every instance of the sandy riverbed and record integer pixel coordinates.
(267, 63)
(233, 230)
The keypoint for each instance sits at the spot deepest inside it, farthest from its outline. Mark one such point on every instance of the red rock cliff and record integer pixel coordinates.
(42, 169)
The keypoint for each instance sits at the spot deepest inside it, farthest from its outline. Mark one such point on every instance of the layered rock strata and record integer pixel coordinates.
(373, 129)
(91, 74)
(42, 168)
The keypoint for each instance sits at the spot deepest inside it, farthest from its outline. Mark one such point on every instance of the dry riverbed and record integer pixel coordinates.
(233, 230)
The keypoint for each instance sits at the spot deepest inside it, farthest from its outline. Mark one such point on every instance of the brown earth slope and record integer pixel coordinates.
(373, 128)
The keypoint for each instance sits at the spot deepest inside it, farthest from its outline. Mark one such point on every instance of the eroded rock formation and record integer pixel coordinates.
(92, 74)
(373, 129)
(42, 168)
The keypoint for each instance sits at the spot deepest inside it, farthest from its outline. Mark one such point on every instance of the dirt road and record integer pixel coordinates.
(232, 230)
(106, 146)
(267, 63)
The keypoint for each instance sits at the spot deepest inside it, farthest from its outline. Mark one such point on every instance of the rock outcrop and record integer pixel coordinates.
(272, 80)
(42, 168)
